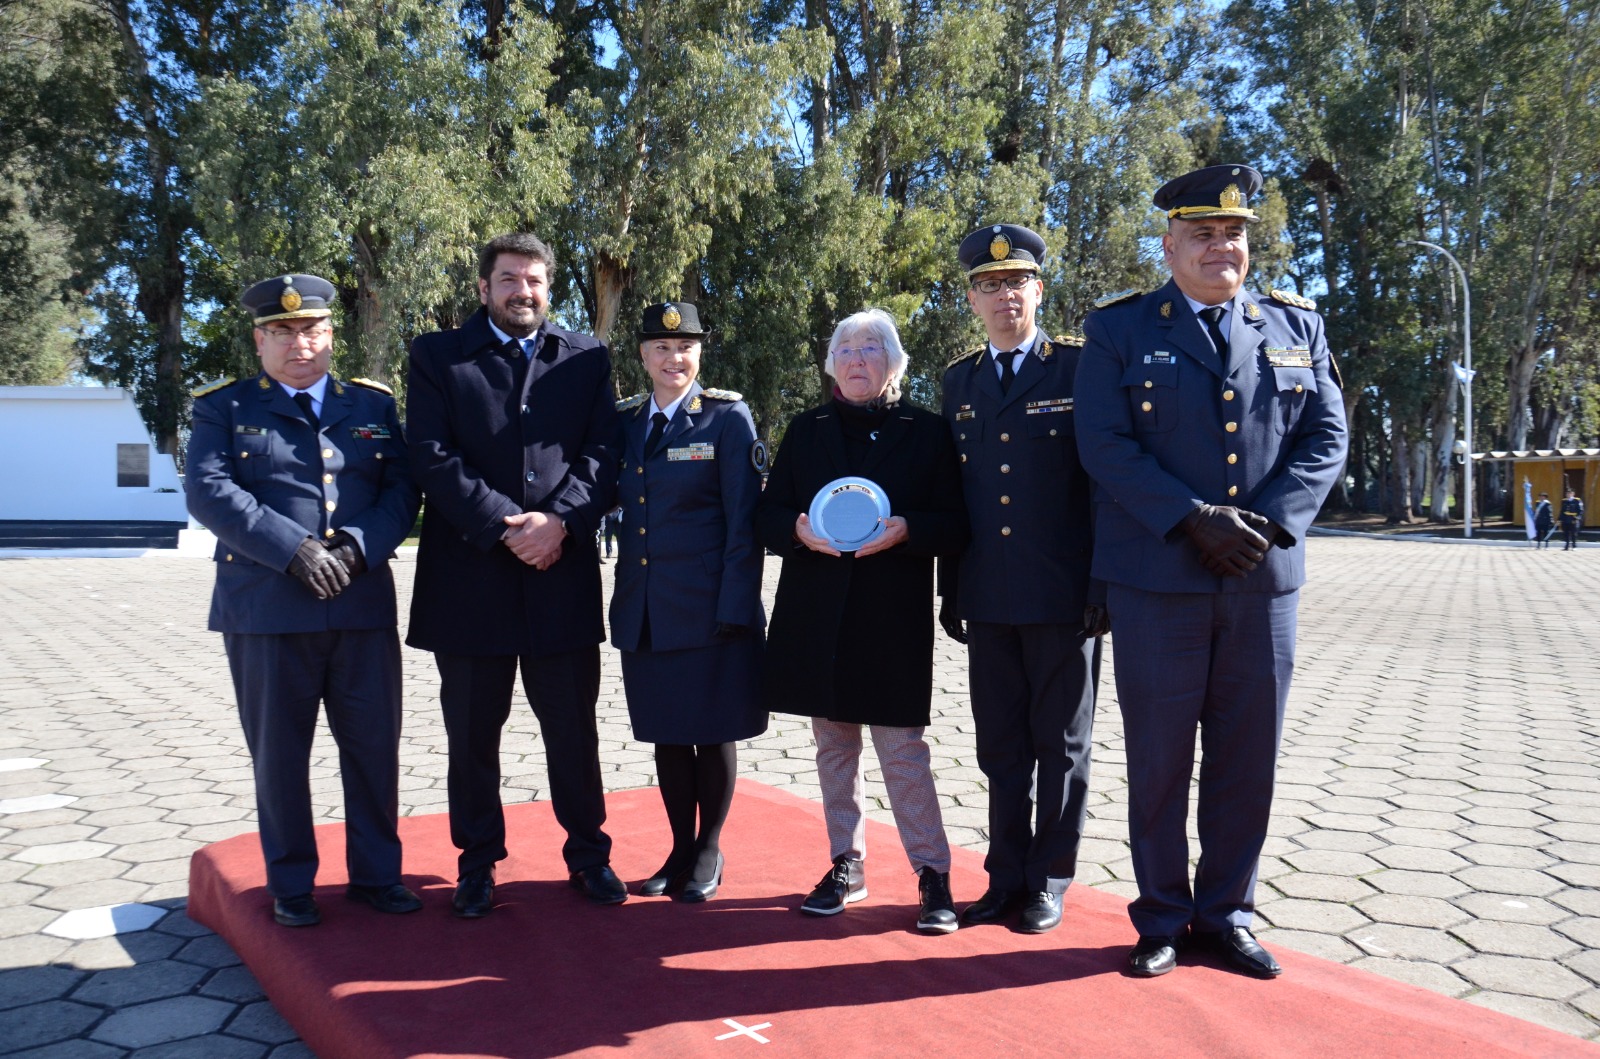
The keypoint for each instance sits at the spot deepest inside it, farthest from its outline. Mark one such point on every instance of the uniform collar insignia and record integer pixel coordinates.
(1166, 310)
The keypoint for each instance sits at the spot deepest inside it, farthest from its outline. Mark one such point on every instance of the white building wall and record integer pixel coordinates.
(58, 458)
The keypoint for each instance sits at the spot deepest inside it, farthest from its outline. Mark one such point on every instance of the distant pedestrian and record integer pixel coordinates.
(1544, 522)
(608, 531)
(1571, 518)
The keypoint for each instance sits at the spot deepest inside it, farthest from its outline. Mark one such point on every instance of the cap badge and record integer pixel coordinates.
(671, 318)
(1231, 198)
(999, 248)
(1166, 310)
(290, 298)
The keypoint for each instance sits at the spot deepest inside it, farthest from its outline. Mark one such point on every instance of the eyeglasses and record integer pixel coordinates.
(848, 353)
(289, 334)
(992, 285)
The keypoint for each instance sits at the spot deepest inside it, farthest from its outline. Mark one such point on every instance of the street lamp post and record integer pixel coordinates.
(1466, 353)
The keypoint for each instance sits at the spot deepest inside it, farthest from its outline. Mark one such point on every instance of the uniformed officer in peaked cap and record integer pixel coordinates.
(1020, 595)
(1211, 419)
(303, 478)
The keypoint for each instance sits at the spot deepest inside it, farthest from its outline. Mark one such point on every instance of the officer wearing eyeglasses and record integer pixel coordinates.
(1020, 595)
(304, 480)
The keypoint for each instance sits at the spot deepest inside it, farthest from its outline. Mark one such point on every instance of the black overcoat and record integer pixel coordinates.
(852, 639)
(493, 435)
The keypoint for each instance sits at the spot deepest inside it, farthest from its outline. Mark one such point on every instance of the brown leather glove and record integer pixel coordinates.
(1228, 544)
(344, 548)
(318, 570)
(1096, 620)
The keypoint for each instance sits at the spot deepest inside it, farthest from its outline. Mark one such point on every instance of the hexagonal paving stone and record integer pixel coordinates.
(1521, 976)
(1584, 930)
(1427, 975)
(1331, 862)
(1326, 917)
(261, 1022)
(34, 803)
(1514, 939)
(139, 983)
(29, 985)
(1411, 911)
(1512, 881)
(233, 983)
(14, 764)
(162, 1020)
(59, 852)
(1504, 909)
(1407, 943)
(1506, 856)
(1548, 1013)
(105, 921)
(42, 1023)
(1315, 886)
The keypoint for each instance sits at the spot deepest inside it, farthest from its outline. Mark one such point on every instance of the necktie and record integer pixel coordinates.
(1212, 315)
(303, 399)
(1008, 374)
(658, 426)
(526, 345)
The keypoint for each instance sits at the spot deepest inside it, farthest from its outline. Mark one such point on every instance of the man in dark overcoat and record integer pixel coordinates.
(1212, 421)
(1021, 598)
(303, 479)
(514, 436)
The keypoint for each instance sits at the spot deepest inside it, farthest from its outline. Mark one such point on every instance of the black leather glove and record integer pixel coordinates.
(1096, 620)
(1228, 545)
(318, 570)
(953, 625)
(344, 548)
(727, 630)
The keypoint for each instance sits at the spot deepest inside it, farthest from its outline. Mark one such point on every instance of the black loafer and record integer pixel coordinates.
(695, 890)
(394, 898)
(599, 884)
(1239, 949)
(1041, 911)
(993, 907)
(474, 896)
(300, 911)
(1155, 955)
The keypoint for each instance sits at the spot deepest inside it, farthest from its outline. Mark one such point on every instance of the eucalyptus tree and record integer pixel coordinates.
(388, 141)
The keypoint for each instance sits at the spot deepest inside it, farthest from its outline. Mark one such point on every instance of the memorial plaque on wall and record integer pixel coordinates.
(133, 466)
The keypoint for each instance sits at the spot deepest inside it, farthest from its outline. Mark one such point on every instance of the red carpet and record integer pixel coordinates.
(547, 974)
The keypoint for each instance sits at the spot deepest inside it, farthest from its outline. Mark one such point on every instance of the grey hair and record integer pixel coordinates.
(879, 325)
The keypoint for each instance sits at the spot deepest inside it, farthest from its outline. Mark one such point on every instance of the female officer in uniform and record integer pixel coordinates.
(686, 612)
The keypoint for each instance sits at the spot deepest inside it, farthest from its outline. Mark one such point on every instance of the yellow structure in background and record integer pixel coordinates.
(1552, 471)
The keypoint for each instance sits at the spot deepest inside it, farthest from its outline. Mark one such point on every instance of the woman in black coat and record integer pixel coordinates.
(851, 638)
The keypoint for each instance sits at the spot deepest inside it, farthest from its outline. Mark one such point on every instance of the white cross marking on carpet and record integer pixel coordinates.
(745, 1031)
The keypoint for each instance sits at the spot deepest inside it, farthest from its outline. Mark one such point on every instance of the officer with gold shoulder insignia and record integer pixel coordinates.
(305, 482)
(1020, 595)
(1212, 421)
(686, 609)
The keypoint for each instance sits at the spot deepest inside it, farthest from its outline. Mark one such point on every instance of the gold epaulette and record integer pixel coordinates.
(1291, 299)
(213, 386)
(1114, 299)
(1069, 340)
(723, 395)
(633, 402)
(968, 355)
(371, 384)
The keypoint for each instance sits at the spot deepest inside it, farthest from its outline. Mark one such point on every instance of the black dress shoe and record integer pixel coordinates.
(1041, 911)
(1155, 955)
(474, 897)
(394, 898)
(669, 878)
(599, 884)
(992, 907)
(696, 890)
(298, 911)
(1239, 949)
(845, 883)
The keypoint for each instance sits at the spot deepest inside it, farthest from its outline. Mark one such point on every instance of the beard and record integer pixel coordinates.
(519, 319)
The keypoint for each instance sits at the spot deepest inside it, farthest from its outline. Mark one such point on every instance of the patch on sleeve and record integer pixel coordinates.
(758, 456)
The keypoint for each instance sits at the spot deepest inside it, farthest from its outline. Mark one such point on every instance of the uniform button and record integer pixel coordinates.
(1227, 395)
(330, 505)
(230, 557)
(1148, 384)
(1233, 490)
(327, 533)
(641, 531)
(1298, 388)
(1233, 457)
(244, 455)
(1005, 500)
(1005, 531)
(1005, 468)
(327, 454)
(963, 437)
(1005, 437)
(644, 562)
(379, 456)
(1146, 406)
(638, 470)
(1231, 427)
(1052, 432)
(327, 479)
(963, 457)
(532, 476)
(641, 500)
